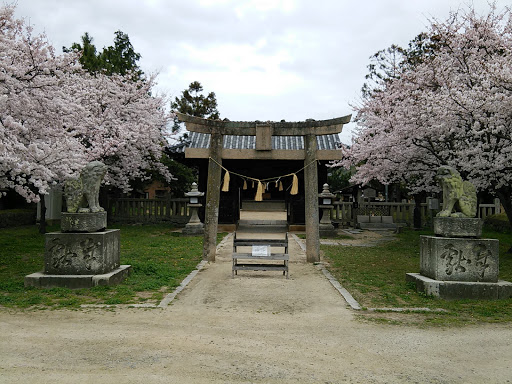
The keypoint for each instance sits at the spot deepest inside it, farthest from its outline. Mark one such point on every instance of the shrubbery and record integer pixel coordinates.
(498, 222)
(17, 217)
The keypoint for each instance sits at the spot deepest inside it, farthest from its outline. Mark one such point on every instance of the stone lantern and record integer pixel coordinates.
(326, 204)
(194, 226)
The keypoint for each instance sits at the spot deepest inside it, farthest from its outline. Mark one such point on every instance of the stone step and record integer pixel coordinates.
(264, 206)
(263, 222)
(263, 228)
(266, 226)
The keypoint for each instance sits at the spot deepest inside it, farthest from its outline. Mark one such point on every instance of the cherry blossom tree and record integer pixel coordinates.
(124, 126)
(448, 105)
(37, 144)
(56, 117)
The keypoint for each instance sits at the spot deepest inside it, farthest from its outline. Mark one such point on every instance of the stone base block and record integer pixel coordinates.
(83, 222)
(44, 280)
(458, 227)
(82, 253)
(459, 290)
(327, 230)
(459, 259)
(193, 230)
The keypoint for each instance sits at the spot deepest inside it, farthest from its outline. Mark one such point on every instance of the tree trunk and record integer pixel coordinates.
(42, 214)
(417, 210)
(505, 194)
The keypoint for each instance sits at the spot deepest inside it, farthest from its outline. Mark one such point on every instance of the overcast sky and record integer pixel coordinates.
(264, 59)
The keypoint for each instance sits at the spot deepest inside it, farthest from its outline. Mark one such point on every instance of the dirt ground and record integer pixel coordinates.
(255, 328)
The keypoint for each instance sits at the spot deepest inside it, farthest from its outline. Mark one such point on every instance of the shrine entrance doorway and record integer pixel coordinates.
(276, 195)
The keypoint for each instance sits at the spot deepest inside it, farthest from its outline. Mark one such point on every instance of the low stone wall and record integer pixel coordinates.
(135, 211)
(371, 222)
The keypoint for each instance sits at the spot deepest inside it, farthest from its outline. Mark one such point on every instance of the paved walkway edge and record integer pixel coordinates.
(335, 283)
(171, 296)
(343, 292)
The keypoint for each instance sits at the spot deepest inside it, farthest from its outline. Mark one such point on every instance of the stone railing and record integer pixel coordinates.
(130, 210)
(485, 210)
(344, 212)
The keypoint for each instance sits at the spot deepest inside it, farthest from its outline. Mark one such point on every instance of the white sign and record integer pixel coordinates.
(261, 250)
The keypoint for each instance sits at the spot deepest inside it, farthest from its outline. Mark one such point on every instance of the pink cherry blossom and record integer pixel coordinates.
(55, 117)
(452, 108)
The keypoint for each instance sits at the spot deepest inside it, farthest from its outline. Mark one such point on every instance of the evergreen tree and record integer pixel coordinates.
(89, 59)
(120, 58)
(193, 102)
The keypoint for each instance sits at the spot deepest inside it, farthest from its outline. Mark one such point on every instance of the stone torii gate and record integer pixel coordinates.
(263, 131)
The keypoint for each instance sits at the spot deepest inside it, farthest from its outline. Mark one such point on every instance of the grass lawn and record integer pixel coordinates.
(375, 276)
(160, 260)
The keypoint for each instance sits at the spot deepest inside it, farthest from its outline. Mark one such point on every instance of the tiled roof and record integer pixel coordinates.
(202, 140)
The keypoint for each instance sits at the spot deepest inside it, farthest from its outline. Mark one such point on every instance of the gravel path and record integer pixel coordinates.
(255, 328)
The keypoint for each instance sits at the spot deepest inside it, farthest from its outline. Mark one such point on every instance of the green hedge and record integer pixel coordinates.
(17, 217)
(498, 222)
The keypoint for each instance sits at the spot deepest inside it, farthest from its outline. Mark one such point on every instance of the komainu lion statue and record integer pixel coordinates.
(459, 197)
(82, 194)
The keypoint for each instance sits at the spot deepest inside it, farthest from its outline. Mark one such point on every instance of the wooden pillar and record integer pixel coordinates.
(311, 200)
(211, 219)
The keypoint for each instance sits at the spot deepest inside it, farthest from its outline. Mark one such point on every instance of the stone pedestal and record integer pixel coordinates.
(456, 264)
(83, 222)
(325, 227)
(458, 227)
(82, 256)
(45, 280)
(459, 290)
(81, 253)
(194, 227)
(458, 259)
